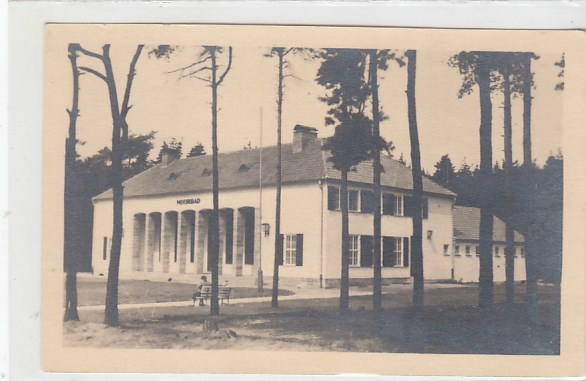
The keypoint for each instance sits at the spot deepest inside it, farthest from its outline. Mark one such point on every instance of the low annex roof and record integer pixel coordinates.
(467, 226)
(240, 169)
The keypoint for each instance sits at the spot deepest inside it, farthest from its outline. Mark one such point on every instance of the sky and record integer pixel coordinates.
(181, 107)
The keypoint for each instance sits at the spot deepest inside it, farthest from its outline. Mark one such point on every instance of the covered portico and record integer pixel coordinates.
(177, 241)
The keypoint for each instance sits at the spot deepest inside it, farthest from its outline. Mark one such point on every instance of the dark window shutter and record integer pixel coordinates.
(279, 255)
(299, 251)
(105, 249)
(405, 252)
(333, 196)
(388, 204)
(408, 206)
(425, 208)
(365, 251)
(388, 247)
(366, 201)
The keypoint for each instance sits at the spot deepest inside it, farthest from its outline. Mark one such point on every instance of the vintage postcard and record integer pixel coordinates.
(313, 200)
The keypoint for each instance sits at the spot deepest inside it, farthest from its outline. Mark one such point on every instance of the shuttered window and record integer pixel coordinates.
(395, 251)
(406, 252)
(299, 251)
(409, 207)
(366, 201)
(292, 250)
(333, 198)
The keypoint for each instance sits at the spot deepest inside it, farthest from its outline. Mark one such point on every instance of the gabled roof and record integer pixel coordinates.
(240, 169)
(467, 225)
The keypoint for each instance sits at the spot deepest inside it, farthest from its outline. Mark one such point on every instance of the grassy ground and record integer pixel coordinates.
(451, 325)
(93, 292)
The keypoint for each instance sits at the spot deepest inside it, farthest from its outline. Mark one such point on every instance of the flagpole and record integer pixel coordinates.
(260, 277)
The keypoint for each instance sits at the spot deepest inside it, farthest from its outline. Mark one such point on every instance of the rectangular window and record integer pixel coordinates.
(398, 253)
(353, 201)
(457, 250)
(477, 251)
(468, 250)
(517, 251)
(290, 249)
(105, 249)
(398, 205)
(333, 198)
(446, 249)
(497, 251)
(354, 250)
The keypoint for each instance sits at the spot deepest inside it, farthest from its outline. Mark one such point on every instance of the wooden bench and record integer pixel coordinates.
(206, 293)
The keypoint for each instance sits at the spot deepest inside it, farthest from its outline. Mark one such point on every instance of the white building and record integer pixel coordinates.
(167, 208)
(466, 242)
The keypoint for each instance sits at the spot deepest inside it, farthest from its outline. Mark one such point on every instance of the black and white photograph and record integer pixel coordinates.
(250, 194)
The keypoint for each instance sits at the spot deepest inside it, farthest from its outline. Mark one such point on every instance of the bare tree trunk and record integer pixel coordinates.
(278, 241)
(530, 247)
(508, 166)
(119, 138)
(376, 171)
(417, 240)
(71, 296)
(71, 198)
(111, 315)
(345, 276)
(214, 247)
(486, 211)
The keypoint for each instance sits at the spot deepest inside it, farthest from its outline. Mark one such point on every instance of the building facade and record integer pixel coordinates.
(167, 210)
(465, 250)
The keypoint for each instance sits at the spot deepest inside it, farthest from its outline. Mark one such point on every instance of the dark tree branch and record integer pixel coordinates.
(207, 58)
(196, 71)
(130, 78)
(227, 67)
(88, 53)
(94, 72)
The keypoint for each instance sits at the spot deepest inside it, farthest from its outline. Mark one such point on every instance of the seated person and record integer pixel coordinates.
(203, 282)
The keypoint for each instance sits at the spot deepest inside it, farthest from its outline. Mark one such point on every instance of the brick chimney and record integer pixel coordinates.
(302, 135)
(167, 158)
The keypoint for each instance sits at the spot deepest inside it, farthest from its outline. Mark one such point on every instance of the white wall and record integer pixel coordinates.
(436, 265)
(300, 211)
(466, 267)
